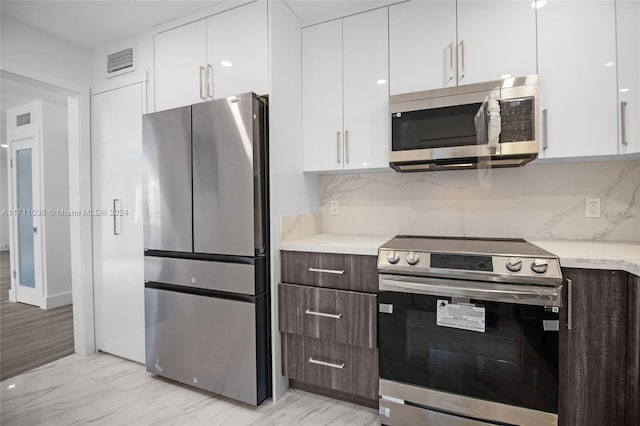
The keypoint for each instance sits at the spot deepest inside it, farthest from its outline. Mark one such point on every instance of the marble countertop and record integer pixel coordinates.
(343, 244)
(595, 254)
(572, 254)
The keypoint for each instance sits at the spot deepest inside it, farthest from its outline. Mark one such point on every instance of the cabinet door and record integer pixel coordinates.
(422, 46)
(116, 168)
(495, 39)
(628, 27)
(632, 398)
(237, 42)
(322, 97)
(592, 353)
(366, 90)
(577, 79)
(180, 53)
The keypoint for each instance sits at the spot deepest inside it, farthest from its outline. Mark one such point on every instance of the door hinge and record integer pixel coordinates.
(11, 163)
(14, 275)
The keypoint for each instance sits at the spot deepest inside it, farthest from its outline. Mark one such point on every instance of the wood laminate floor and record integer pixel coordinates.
(30, 336)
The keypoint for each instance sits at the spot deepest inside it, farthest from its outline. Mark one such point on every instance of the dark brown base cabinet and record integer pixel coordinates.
(599, 364)
(327, 311)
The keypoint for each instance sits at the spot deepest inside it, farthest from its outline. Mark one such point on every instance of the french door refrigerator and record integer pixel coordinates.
(206, 246)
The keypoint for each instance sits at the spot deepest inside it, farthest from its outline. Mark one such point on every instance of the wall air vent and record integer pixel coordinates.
(121, 62)
(23, 119)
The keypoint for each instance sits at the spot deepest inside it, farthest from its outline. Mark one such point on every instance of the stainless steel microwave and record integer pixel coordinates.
(492, 123)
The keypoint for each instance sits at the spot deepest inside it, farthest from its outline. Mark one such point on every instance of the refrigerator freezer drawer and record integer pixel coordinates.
(206, 342)
(219, 276)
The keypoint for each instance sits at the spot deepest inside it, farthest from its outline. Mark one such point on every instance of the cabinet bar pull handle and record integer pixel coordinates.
(312, 360)
(202, 70)
(346, 146)
(450, 61)
(545, 130)
(209, 78)
(623, 123)
(338, 147)
(322, 314)
(462, 48)
(327, 271)
(569, 303)
(116, 221)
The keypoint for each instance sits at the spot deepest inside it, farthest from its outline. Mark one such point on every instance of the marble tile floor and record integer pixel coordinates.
(101, 389)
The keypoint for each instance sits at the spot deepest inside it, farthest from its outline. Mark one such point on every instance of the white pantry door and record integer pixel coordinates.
(27, 221)
(118, 264)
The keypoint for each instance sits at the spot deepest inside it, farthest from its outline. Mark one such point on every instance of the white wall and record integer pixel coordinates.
(32, 53)
(4, 188)
(292, 192)
(537, 201)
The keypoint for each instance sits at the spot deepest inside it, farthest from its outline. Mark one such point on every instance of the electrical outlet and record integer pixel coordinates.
(335, 208)
(592, 207)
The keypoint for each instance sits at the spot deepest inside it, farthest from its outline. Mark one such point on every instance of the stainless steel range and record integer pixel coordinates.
(468, 332)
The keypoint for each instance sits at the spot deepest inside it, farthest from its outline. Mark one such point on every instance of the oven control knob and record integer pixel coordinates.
(539, 266)
(514, 264)
(393, 257)
(412, 258)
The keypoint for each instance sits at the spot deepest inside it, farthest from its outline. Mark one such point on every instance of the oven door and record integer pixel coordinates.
(479, 340)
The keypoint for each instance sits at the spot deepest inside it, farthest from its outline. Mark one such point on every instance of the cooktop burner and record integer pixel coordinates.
(481, 259)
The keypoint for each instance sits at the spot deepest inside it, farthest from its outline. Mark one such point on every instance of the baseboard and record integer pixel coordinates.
(57, 300)
(12, 295)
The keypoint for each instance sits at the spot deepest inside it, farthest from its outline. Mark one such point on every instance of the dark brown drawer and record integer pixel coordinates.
(343, 271)
(331, 365)
(340, 316)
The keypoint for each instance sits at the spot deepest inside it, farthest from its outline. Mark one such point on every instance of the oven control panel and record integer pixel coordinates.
(526, 269)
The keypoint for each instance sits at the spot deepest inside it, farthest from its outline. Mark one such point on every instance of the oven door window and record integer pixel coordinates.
(514, 361)
(435, 128)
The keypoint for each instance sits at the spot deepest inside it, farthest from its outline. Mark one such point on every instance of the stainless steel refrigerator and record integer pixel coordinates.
(206, 246)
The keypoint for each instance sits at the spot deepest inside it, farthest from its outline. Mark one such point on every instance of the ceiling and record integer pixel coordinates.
(93, 23)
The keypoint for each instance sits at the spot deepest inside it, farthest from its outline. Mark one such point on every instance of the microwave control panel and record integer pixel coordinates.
(517, 120)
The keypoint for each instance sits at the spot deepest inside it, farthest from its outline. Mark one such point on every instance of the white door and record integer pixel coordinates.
(577, 86)
(27, 220)
(628, 27)
(322, 97)
(496, 39)
(366, 90)
(118, 263)
(180, 66)
(237, 43)
(422, 46)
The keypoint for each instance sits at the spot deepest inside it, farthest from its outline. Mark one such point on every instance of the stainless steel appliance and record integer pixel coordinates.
(468, 332)
(492, 123)
(206, 246)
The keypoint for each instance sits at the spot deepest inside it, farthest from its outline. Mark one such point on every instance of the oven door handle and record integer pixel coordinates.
(492, 292)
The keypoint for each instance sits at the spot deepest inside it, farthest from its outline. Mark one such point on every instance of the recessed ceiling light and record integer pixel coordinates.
(503, 76)
(13, 385)
(609, 64)
(226, 63)
(625, 90)
(537, 4)
(5, 146)
(381, 81)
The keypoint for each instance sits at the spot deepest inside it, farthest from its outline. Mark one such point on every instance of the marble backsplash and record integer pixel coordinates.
(537, 202)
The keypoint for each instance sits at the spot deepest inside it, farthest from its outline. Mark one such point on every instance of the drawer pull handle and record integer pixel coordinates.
(322, 314)
(326, 364)
(327, 271)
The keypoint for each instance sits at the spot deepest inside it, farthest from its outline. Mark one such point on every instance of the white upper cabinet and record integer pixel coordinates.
(435, 44)
(322, 96)
(496, 39)
(345, 94)
(224, 55)
(628, 26)
(422, 46)
(366, 90)
(238, 50)
(576, 65)
(180, 54)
